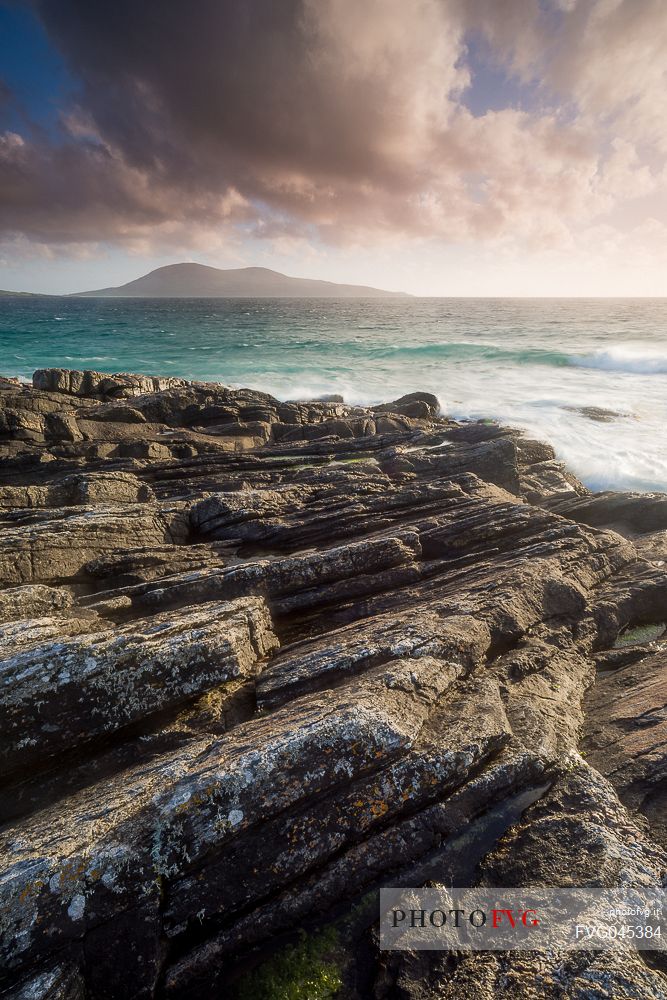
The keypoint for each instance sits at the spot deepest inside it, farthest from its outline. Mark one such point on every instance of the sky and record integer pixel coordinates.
(439, 147)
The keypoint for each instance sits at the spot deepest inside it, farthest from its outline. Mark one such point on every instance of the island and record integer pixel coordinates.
(201, 281)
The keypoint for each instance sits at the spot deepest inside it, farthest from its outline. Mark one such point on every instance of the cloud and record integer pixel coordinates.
(339, 121)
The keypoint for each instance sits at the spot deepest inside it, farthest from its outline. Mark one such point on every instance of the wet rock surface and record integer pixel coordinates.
(260, 658)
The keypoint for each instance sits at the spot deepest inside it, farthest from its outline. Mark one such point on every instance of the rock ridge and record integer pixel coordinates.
(259, 658)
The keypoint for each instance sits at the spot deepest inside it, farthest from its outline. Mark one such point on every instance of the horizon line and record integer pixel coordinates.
(392, 296)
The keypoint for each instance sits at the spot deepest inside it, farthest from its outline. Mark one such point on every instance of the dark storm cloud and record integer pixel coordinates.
(194, 112)
(296, 116)
(178, 87)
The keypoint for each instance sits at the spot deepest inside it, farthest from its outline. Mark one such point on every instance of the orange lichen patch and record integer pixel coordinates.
(197, 799)
(71, 872)
(31, 890)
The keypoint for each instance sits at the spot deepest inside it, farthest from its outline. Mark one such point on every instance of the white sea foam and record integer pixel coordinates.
(633, 358)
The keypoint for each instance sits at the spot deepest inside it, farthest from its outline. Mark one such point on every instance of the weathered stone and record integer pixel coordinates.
(96, 384)
(312, 664)
(62, 427)
(493, 461)
(581, 808)
(113, 413)
(65, 693)
(258, 430)
(415, 847)
(78, 490)
(172, 813)
(348, 504)
(63, 982)
(392, 424)
(303, 581)
(58, 546)
(32, 601)
(634, 597)
(532, 452)
(549, 482)
(444, 755)
(135, 566)
(597, 413)
(625, 735)
(630, 513)
(423, 405)
(17, 637)
(21, 425)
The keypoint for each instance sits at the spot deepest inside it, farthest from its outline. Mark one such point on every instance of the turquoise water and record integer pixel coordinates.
(528, 362)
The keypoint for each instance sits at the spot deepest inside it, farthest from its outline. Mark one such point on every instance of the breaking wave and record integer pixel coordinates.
(633, 359)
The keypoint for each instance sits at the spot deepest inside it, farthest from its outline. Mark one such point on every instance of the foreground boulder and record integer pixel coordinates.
(260, 659)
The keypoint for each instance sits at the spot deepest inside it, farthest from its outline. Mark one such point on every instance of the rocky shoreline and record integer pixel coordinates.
(261, 658)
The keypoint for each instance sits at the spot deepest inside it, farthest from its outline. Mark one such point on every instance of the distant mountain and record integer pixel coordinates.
(5, 294)
(199, 281)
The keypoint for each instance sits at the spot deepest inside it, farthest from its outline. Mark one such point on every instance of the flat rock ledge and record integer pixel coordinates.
(260, 658)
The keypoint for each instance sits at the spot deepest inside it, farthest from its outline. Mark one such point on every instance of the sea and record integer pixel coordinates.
(587, 375)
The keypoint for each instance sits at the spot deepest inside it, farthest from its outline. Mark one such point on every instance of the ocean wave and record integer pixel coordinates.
(467, 351)
(628, 358)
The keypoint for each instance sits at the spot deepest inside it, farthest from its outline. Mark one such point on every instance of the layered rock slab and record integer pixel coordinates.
(610, 852)
(54, 695)
(78, 865)
(55, 545)
(625, 735)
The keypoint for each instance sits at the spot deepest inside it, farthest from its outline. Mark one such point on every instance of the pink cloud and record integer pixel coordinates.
(341, 120)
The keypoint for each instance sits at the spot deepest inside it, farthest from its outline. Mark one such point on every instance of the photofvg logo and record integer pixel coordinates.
(492, 919)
